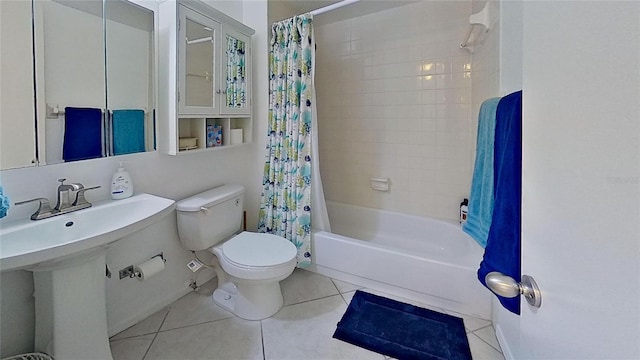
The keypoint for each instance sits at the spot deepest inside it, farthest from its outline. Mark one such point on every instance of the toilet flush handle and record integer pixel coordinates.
(204, 209)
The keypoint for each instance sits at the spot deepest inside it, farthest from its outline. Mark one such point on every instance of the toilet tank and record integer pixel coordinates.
(207, 218)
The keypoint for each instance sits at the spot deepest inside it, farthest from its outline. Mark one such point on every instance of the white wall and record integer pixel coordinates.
(233, 8)
(255, 16)
(278, 10)
(394, 96)
(485, 65)
(174, 177)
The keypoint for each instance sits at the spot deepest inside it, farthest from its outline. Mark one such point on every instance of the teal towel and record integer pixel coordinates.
(4, 203)
(481, 197)
(128, 131)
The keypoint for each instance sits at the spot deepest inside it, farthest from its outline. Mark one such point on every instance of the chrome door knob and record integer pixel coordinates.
(506, 286)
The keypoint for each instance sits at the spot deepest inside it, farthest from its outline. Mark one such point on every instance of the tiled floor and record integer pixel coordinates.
(195, 328)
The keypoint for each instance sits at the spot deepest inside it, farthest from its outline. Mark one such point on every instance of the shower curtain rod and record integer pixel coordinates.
(337, 5)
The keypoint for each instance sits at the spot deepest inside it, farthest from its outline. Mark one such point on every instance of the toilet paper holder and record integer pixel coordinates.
(129, 271)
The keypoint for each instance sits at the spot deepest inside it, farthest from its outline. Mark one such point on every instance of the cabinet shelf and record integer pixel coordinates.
(205, 150)
(228, 131)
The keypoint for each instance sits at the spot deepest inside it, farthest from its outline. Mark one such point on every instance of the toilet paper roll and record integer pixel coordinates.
(149, 268)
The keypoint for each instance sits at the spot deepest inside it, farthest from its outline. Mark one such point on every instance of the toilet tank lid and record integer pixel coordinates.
(209, 198)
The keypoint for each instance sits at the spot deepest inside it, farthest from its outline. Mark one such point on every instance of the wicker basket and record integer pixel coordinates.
(30, 356)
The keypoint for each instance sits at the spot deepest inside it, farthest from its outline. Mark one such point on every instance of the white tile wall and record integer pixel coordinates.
(394, 100)
(485, 69)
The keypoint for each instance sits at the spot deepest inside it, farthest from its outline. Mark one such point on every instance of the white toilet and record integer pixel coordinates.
(252, 264)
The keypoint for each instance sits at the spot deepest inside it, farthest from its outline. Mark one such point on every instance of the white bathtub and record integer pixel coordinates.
(420, 258)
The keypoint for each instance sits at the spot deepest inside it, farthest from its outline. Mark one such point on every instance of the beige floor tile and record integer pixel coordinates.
(195, 328)
(347, 296)
(232, 338)
(344, 287)
(480, 350)
(304, 285)
(304, 331)
(132, 348)
(149, 325)
(488, 334)
(471, 323)
(194, 308)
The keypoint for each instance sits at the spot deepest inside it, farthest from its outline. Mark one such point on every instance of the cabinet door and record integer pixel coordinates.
(236, 72)
(17, 130)
(197, 54)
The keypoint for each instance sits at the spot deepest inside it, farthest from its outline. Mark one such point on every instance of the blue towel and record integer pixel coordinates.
(128, 131)
(481, 196)
(4, 203)
(503, 245)
(82, 134)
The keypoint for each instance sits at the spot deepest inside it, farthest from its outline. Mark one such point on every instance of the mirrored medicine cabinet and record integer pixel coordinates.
(67, 61)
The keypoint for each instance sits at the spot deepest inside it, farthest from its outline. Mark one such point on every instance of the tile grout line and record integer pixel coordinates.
(482, 327)
(202, 323)
(306, 301)
(264, 356)
(111, 340)
(339, 292)
(483, 340)
(343, 299)
(156, 335)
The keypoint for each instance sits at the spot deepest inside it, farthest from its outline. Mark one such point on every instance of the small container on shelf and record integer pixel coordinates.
(236, 137)
(187, 143)
(214, 135)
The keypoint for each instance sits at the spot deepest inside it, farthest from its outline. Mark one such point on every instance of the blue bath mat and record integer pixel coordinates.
(401, 330)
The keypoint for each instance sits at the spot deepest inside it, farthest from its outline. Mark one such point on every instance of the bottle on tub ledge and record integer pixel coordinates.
(121, 184)
(464, 208)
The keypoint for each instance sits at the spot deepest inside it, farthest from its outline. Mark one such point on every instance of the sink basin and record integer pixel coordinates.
(67, 255)
(35, 245)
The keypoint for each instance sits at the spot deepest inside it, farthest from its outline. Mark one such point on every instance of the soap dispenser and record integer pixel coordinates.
(121, 184)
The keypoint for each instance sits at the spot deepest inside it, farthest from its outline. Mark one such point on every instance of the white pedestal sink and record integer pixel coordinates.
(67, 255)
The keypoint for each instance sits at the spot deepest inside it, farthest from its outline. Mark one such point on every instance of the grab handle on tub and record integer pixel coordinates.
(380, 183)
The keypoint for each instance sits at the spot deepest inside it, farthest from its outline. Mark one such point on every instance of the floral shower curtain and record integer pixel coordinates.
(285, 208)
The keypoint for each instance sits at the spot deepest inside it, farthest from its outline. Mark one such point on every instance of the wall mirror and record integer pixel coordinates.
(93, 76)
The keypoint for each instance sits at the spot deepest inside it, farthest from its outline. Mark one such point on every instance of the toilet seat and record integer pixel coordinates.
(258, 250)
(256, 256)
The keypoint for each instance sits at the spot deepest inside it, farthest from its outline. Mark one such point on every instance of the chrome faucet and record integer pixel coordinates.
(63, 194)
(64, 204)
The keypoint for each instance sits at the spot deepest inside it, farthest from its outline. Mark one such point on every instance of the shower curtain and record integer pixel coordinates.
(290, 171)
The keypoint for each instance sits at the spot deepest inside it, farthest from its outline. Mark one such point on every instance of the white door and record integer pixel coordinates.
(581, 188)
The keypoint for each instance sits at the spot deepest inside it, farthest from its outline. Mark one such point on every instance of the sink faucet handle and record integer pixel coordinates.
(62, 181)
(80, 199)
(44, 209)
(42, 201)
